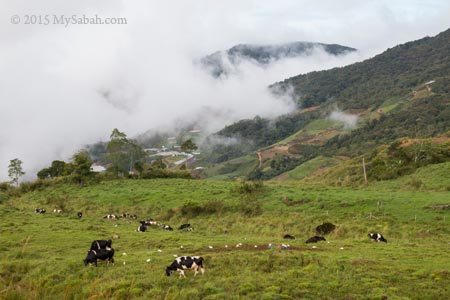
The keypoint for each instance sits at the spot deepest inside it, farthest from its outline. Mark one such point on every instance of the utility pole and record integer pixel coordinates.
(364, 169)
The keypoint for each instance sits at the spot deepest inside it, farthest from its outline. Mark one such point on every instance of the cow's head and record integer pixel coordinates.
(168, 271)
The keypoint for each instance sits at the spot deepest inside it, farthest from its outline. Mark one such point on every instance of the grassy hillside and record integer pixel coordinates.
(400, 158)
(42, 254)
(400, 93)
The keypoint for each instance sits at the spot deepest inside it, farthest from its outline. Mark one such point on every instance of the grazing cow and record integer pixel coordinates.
(102, 254)
(101, 244)
(182, 263)
(79, 214)
(289, 237)
(185, 226)
(40, 210)
(142, 227)
(315, 239)
(377, 237)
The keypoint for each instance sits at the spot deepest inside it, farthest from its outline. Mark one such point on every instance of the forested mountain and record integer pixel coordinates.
(402, 92)
(217, 62)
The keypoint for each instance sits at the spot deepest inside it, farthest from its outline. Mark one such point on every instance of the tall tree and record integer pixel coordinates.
(188, 147)
(125, 155)
(15, 170)
(81, 163)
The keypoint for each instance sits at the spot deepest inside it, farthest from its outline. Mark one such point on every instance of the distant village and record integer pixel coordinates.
(167, 153)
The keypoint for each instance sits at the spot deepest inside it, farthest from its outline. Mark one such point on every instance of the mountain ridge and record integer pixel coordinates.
(219, 62)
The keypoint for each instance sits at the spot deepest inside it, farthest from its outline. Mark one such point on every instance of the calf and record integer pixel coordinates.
(79, 214)
(186, 263)
(101, 244)
(289, 237)
(377, 237)
(315, 239)
(102, 254)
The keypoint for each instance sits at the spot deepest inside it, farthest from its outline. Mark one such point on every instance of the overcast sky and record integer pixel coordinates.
(54, 78)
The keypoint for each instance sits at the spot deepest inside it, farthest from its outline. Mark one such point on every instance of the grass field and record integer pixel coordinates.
(41, 255)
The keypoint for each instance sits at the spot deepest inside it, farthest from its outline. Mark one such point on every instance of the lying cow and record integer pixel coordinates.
(58, 211)
(110, 217)
(315, 239)
(101, 244)
(289, 237)
(79, 215)
(185, 226)
(102, 254)
(186, 263)
(166, 227)
(377, 237)
(150, 222)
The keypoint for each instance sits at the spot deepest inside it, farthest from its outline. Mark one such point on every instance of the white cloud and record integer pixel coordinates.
(348, 119)
(62, 88)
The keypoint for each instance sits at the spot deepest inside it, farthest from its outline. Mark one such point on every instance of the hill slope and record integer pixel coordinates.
(403, 92)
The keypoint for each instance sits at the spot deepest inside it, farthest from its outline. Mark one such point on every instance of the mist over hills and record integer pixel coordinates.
(222, 62)
(400, 93)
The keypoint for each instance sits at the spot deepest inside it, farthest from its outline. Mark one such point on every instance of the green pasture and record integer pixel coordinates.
(41, 255)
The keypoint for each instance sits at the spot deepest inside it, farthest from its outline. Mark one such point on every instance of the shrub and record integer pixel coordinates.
(415, 183)
(251, 187)
(37, 185)
(325, 228)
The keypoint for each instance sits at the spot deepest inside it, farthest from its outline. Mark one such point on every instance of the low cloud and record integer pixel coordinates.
(348, 119)
(65, 87)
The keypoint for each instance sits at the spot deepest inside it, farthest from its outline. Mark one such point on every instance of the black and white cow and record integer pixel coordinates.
(315, 239)
(110, 217)
(102, 254)
(40, 210)
(142, 227)
(79, 215)
(149, 222)
(166, 227)
(289, 237)
(182, 263)
(377, 237)
(186, 226)
(101, 244)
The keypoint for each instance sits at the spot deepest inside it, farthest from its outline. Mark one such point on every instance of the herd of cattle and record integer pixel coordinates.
(102, 249)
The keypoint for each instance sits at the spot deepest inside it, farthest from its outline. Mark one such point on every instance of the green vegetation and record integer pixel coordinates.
(15, 170)
(309, 168)
(401, 93)
(401, 142)
(42, 254)
(402, 157)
